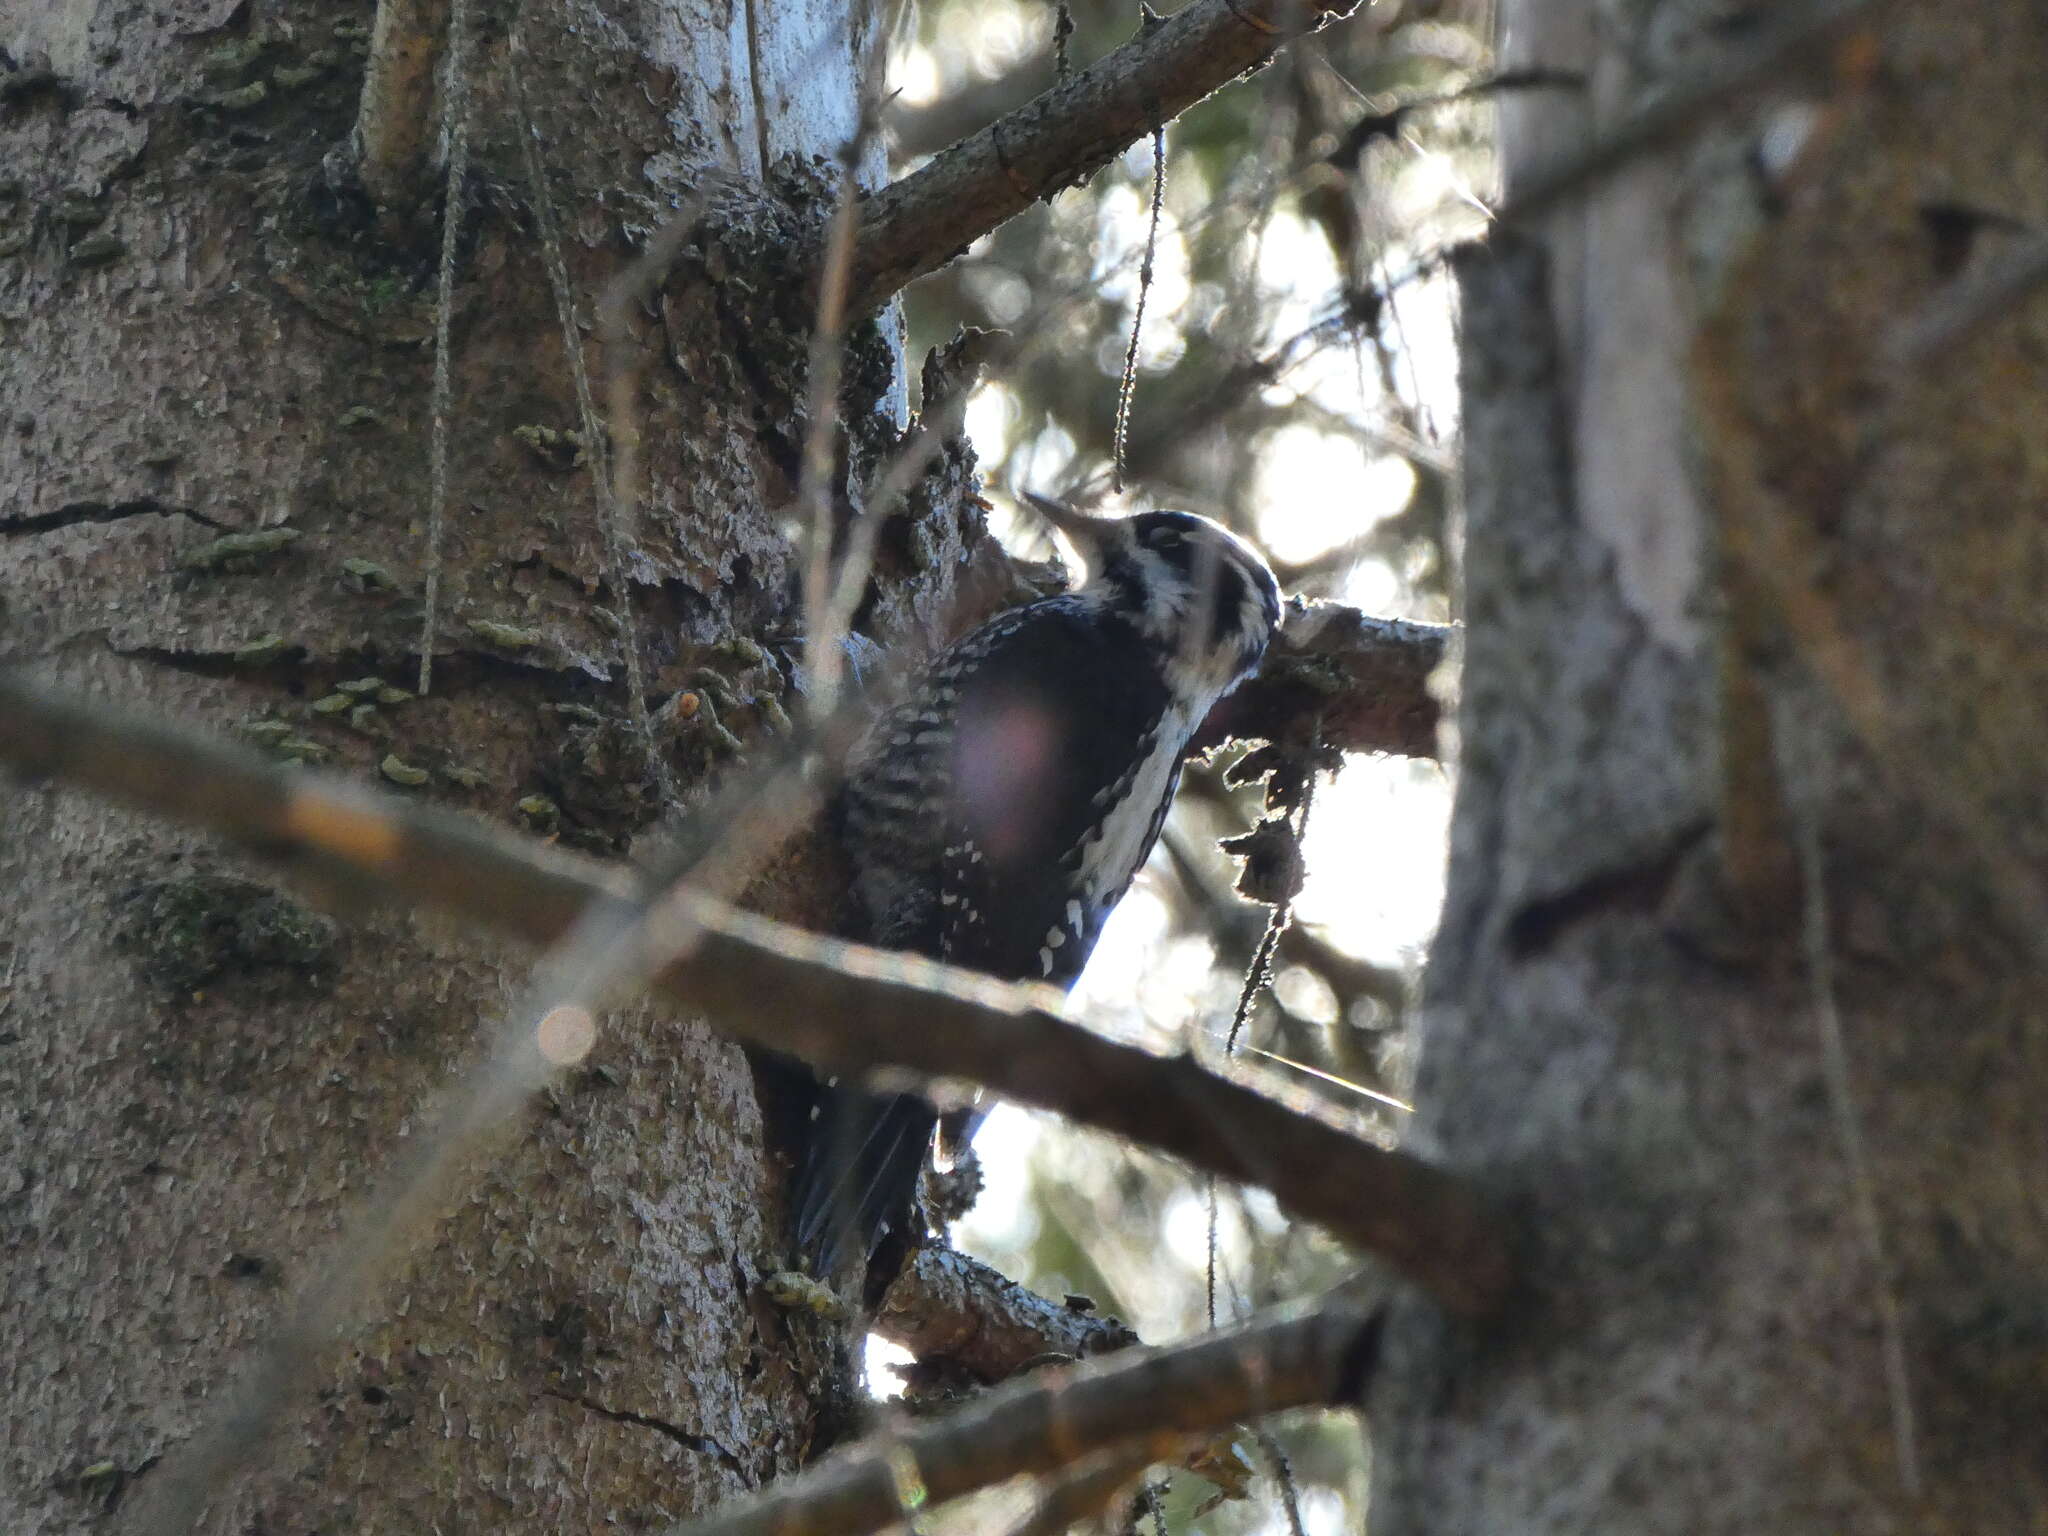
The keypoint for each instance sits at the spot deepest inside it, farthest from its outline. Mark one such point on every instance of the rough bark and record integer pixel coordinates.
(1753, 750)
(204, 338)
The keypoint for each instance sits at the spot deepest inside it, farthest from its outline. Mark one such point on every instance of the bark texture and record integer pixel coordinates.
(212, 495)
(1754, 740)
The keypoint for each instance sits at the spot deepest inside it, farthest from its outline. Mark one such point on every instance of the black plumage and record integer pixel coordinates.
(997, 814)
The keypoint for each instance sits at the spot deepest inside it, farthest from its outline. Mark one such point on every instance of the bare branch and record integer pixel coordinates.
(1147, 1400)
(1365, 679)
(395, 116)
(948, 1306)
(843, 1007)
(1060, 139)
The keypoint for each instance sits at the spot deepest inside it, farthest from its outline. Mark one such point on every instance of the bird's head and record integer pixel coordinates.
(1188, 585)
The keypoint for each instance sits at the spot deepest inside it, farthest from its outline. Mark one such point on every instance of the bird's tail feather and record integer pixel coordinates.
(859, 1174)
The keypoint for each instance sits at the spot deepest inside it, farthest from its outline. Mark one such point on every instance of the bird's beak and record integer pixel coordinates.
(1085, 533)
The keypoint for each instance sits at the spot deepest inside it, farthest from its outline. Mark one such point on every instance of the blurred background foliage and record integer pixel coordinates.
(1296, 378)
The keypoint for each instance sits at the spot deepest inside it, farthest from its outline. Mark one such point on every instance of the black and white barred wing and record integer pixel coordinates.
(1060, 774)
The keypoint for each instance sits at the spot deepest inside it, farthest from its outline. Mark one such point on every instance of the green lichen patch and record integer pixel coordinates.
(102, 1483)
(597, 772)
(741, 651)
(705, 732)
(723, 704)
(239, 551)
(303, 749)
(97, 251)
(540, 813)
(79, 213)
(282, 739)
(510, 637)
(232, 62)
(556, 449)
(260, 651)
(245, 98)
(367, 575)
(372, 691)
(193, 930)
(266, 731)
(794, 1291)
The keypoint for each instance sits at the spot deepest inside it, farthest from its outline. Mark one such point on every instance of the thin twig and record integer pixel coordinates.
(1260, 971)
(1209, 1271)
(1352, 979)
(623, 373)
(611, 515)
(1283, 1474)
(844, 1007)
(1144, 1401)
(825, 624)
(822, 660)
(1344, 320)
(1128, 386)
(1384, 122)
(1820, 967)
(455, 109)
(1147, 1501)
(1789, 40)
(1257, 974)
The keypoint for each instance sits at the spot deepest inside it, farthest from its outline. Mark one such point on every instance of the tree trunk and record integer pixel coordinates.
(208, 337)
(1737, 1001)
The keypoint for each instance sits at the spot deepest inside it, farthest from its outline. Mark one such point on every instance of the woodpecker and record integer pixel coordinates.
(995, 816)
